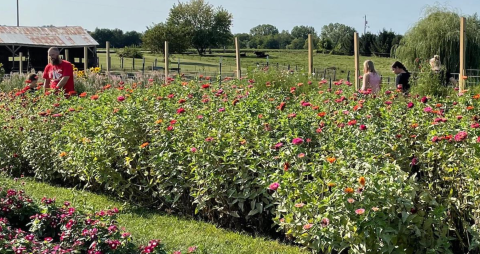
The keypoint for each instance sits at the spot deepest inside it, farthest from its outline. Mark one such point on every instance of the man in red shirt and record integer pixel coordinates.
(58, 73)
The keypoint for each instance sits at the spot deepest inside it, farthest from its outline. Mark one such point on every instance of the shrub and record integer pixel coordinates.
(130, 52)
(333, 169)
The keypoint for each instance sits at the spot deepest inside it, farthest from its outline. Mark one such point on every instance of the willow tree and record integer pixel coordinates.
(438, 33)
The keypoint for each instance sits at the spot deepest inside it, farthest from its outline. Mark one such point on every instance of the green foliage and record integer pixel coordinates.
(303, 32)
(383, 42)
(116, 37)
(214, 152)
(130, 52)
(438, 33)
(263, 30)
(155, 37)
(206, 27)
(341, 37)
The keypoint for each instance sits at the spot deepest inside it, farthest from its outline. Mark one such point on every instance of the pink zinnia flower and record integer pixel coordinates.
(120, 98)
(461, 136)
(278, 145)
(180, 110)
(410, 105)
(363, 127)
(388, 102)
(325, 222)
(360, 211)
(424, 99)
(297, 141)
(274, 186)
(193, 149)
(427, 109)
(221, 109)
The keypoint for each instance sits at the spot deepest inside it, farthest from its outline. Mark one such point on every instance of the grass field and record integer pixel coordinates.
(295, 59)
(175, 232)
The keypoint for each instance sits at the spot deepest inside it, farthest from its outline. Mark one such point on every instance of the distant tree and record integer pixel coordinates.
(205, 26)
(271, 42)
(243, 39)
(437, 33)
(325, 44)
(341, 37)
(383, 42)
(263, 30)
(132, 38)
(102, 35)
(297, 43)
(367, 42)
(284, 39)
(155, 37)
(303, 32)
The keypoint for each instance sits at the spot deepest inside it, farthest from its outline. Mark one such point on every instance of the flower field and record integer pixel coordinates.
(61, 229)
(331, 169)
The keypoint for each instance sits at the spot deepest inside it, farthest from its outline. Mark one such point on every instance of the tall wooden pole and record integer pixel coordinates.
(357, 60)
(20, 66)
(85, 58)
(166, 61)
(237, 49)
(67, 55)
(310, 54)
(108, 57)
(462, 55)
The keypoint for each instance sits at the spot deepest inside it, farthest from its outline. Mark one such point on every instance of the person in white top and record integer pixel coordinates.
(371, 79)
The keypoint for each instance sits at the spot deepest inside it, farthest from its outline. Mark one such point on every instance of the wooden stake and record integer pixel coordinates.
(20, 66)
(67, 57)
(357, 59)
(85, 58)
(310, 54)
(108, 57)
(166, 61)
(462, 55)
(237, 49)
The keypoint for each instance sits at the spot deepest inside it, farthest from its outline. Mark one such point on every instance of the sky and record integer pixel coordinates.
(128, 15)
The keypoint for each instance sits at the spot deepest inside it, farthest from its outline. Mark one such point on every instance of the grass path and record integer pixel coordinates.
(175, 232)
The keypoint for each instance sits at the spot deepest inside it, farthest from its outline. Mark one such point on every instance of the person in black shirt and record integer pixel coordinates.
(403, 76)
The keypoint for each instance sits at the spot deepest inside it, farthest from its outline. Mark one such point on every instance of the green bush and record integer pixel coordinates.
(276, 148)
(130, 52)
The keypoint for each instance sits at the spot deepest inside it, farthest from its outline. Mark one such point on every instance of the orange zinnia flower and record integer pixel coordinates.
(94, 97)
(438, 105)
(322, 114)
(349, 190)
(84, 94)
(414, 125)
(331, 159)
(362, 181)
(159, 121)
(470, 107)
(63, 154)
(476, 97)
(330, 185)
(144, 145)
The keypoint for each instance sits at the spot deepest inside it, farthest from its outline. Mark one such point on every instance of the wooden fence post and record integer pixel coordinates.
(166, 61)
(108, 57)
(85, 58)
(462, 75)
(20, 66)
(237, 49)
(310, 54)
(357, 59)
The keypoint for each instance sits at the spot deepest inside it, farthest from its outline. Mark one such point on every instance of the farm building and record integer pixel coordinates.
(32, 44)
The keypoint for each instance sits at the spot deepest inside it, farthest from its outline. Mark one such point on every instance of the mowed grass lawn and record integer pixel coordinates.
(175, 232)
(209, 64)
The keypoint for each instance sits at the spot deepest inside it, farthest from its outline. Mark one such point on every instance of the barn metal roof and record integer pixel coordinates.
(69, 36)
